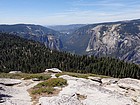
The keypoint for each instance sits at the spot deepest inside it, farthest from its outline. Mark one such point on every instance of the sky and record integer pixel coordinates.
(62, 12)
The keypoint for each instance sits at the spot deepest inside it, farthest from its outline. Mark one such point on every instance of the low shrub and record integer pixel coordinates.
(39, 76)
(53, 82)
(25, 76)
(48, 86)
(48, 90)
(11, 76)
(79, 75)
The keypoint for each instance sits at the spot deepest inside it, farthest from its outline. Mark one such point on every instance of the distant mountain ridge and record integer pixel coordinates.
(116, 39)
(35, 32)
(67, 29)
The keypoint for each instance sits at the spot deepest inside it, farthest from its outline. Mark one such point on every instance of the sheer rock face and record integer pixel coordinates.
(116, 39)
(39, 33)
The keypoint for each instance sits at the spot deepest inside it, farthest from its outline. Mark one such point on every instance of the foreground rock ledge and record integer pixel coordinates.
(9, 82)
(94, 94)
(15, 94)
(92, 91)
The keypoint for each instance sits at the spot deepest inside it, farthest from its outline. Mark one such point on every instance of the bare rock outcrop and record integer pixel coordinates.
(9, 82)
(129, 83)
(94, 94)
(79, 91)
(16, 94)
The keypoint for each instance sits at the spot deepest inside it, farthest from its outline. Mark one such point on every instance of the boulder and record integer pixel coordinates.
(9, 82)
(53, 70)
(35, 79)
(96, 79)
(15, 72)
(129, 83)
(110, 80)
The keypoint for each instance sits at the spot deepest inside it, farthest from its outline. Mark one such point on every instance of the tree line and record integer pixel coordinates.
(33, 57)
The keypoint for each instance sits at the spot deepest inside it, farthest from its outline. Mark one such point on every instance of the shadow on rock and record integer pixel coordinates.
(3, 96)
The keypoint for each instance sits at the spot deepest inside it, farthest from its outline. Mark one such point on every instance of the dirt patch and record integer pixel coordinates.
(81, 97)
(35, 98)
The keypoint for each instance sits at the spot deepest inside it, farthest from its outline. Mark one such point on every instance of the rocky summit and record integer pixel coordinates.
(79, 91)
(111, 91)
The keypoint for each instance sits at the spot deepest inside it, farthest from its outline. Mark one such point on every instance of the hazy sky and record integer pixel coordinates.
(52, 12)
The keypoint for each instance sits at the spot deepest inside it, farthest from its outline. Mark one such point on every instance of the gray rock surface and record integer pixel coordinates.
(115, 40)
(17, 94)
(79, 91)
(109, 81)
(15, 72)
(6, 81)
(129, 83)
(96, 79)
(93, 94)
(53, 70)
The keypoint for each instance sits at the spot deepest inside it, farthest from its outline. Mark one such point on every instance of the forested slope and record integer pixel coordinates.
(32, 57)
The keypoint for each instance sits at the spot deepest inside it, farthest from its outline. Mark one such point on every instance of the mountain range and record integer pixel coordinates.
(39, 33)
(114, 39)
(67, 29)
